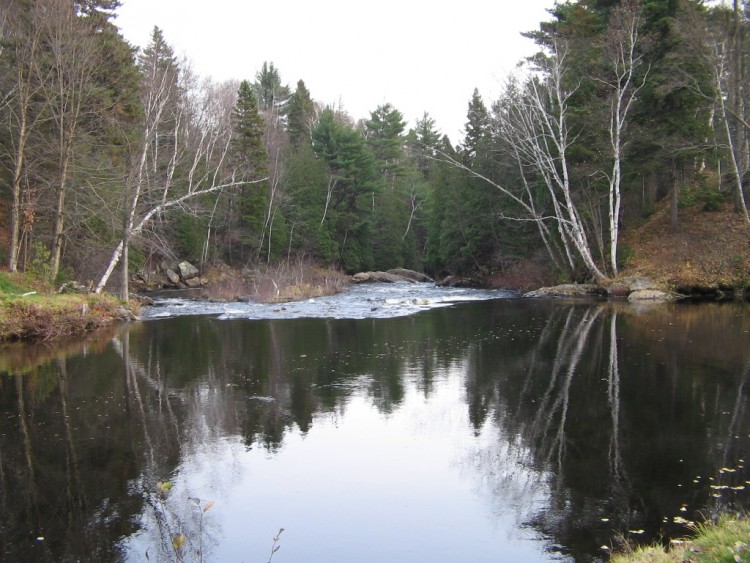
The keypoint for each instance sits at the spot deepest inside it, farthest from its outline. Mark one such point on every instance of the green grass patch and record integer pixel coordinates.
(15, 284)
(47, 317)
(726, 541)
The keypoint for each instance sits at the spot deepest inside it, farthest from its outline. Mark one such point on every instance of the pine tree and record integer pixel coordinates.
(384, 134)
(249, 154)
(423, 142)
(300, 115)
(477, 128)
(271, 93)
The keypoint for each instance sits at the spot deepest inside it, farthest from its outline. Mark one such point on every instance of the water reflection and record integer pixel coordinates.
(508, 429)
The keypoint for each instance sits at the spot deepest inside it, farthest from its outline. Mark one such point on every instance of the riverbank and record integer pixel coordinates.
(727, 540)
(30, 311)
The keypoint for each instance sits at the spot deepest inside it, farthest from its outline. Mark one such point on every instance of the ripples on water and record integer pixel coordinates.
(378, 301)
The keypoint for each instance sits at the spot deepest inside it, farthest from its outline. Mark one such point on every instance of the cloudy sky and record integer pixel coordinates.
(418, 55)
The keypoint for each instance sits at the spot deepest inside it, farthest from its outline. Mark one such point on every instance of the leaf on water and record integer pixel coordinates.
(637, 531)
(605, 547)
(196, 500)
(208, 506)
(164, 486)
(179, 541)
(726, 470)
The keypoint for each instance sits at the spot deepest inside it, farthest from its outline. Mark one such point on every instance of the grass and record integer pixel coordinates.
(726, 540)
(293, 281)
(29, 311)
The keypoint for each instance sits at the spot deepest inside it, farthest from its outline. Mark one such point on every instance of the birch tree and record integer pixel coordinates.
(198, 144)
(540, 129)
(726, 61)
(624, 58)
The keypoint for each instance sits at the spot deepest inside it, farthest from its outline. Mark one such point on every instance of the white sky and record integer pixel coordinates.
(419, 55)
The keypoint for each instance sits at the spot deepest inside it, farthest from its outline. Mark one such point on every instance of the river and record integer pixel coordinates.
(390, 423)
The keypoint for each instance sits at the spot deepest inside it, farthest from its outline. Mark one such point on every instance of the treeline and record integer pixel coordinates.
(115, 156)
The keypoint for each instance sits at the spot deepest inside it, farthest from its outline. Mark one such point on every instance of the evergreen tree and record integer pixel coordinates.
(249, 154)
(424, 141)
(271, 93)
(384, 133)
(300, 115)
(350, 190)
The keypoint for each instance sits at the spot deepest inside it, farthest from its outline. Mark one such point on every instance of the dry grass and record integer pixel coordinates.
(283, 282)
(727, 540)
(523, 274)
(709, 248)
(47, 317)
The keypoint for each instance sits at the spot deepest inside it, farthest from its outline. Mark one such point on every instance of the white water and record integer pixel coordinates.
(380, 301)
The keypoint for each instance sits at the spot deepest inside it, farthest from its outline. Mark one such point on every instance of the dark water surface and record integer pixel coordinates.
(490, 430)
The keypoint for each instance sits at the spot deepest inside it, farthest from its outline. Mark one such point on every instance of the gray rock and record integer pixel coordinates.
(172, 276)
(569, 290)
(187, 270)
(410, 275)
(638, 283)
(651, 295)
(373, 277)
(194, 282)
(455, 281)
(618, 290)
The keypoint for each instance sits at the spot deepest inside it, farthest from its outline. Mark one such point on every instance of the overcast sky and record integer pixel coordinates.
(418, 55)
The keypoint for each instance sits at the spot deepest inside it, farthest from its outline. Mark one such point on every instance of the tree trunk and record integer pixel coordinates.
(674, 198)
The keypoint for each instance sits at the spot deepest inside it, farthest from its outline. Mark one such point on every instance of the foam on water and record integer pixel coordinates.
(380, 300)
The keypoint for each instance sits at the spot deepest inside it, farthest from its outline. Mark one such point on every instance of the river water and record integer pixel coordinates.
(391, 423)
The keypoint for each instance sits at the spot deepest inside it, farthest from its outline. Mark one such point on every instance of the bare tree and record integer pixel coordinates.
(726, 61)
(20, 109)
(624, 58)
(532, 120)
(74, 55)
(199, 138)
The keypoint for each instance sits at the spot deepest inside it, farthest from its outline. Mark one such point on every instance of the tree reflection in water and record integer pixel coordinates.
(582, 422)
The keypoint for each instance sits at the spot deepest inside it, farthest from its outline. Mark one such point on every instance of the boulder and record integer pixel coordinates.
(374, 277)
(618, 290)
(651, 295)
(569, 290)
(187, 270)
(172, 276)
(194, 282)
(638, 283)
(410, 275)
(455, 281)
(168, 265)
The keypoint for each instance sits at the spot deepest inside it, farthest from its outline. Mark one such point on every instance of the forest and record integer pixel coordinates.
(114, 159)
